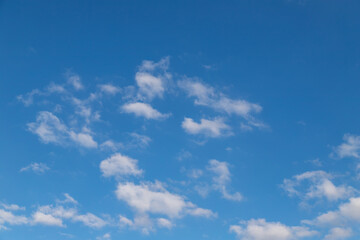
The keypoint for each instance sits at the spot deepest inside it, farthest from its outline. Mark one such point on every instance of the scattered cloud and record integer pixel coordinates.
(260, 229)
(109, 89)
(338, 233)
(208, 96)
(350, 147)
(36, 168)
(222, 178)
(119, 165)
(210, 128)
(50, 129)
(143, 110)
(74, 80)
(318, 185)
(155, 199)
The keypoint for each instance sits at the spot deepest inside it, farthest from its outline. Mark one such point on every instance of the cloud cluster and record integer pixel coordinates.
(319, 185)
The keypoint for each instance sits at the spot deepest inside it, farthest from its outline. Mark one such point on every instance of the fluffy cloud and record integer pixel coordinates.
(7, 217)
(152, 78)
(36, 167)
(119, 165)
(338, 233)
(350, 147)
(260, 229)
(210, 128)
(154, 198)
(55, 215)
(109, 89)
(221, 179)
(50, 129)
(207, 96)
(319, 186)
(143, 110)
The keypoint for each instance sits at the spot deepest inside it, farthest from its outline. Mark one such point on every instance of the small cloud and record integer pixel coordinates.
(38, 168)
(143, 110)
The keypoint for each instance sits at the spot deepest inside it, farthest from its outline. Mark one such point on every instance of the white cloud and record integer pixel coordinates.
(50, 129)
(338, 233)
(106, 236)
(207, 96)
(143, 110)
(83, 139)
(7, 217)
(119, 165)
(28, 98)
(74, 80)
(90, 220)
(164, 223)
(222, 178)
(12, 207)
(109, 89)
(152, 78)
(210, 128)
(68, 199)
(46, 219)
(36, 167)
(350, 147)
(260, 229)
(319, 186)
(154, 198)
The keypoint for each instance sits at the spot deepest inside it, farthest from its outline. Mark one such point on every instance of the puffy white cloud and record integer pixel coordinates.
(319, 186)
(7, 217)
(36, 167)
(350, 147)
(143, 110)
(119, 165)
(109, 89)
(152, 78)
(83, 139)
(260, 229)
(222, 178)
(338, 233)
(149, 85)
(55, 215)
(50, 129)
(207, 96)
(210, 128)
(154, 198)
(46, 219)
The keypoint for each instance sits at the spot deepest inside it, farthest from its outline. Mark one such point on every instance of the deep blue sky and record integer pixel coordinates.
(239, 115)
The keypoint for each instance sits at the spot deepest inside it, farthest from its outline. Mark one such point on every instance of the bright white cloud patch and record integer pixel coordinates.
(143, 110)
(8, 218)
(36, 167)
(260, 229)
(208, 96)
(50, 129)
(119, 165)
(154, 198)
(350, 147)
(318, 186)
(152, 78)
(56, 215)
(210, 128)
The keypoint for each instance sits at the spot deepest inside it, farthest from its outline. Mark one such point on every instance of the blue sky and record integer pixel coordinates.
(180, 120)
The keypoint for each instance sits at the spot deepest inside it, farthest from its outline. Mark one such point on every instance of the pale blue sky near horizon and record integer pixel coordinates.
(180, 119)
